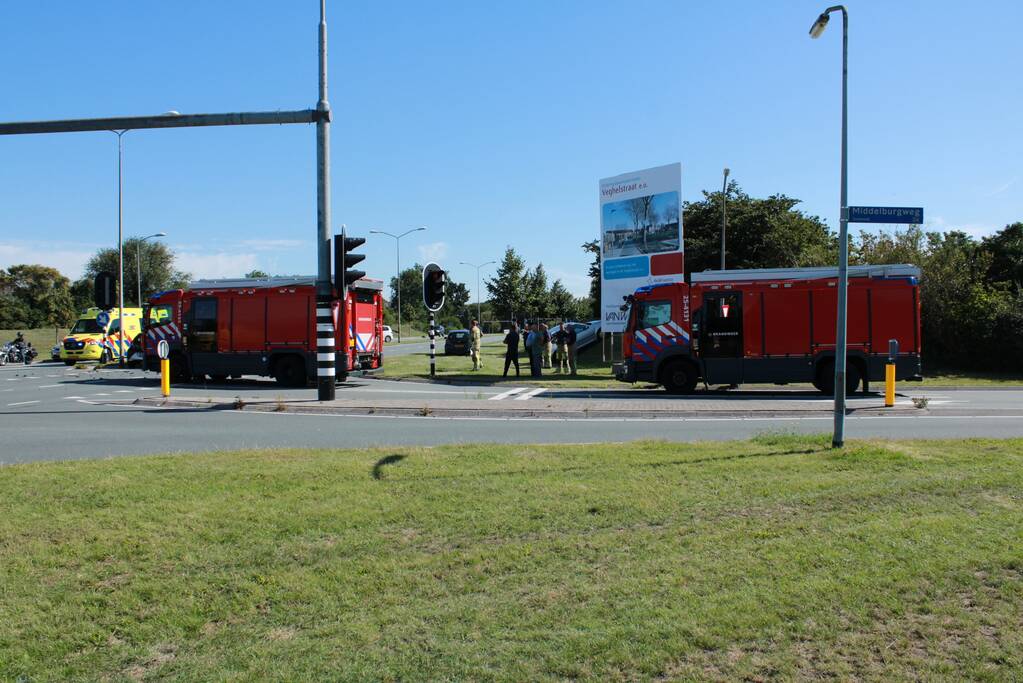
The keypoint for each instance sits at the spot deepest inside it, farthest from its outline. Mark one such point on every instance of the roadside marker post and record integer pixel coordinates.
(434, 282)
(433, 347)
(163, 351)
(889, 373)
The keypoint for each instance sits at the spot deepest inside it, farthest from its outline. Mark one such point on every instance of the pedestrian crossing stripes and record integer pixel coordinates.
(518, 394)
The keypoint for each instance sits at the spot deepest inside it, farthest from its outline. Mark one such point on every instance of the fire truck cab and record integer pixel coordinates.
(776, 326)
(265, 326)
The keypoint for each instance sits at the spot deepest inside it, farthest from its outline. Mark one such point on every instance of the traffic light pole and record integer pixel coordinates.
(433, 349)
(326, 339)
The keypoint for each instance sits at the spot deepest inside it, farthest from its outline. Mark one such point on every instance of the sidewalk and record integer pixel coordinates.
(541, 407)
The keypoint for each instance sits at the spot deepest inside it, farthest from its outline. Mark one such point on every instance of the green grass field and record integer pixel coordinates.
(771, 559)
(592, 371)
(42, 339)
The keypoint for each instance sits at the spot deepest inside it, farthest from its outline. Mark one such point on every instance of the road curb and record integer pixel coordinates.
(504, 411)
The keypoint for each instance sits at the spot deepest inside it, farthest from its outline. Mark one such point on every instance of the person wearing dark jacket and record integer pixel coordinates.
(570, 340)
(511, 342)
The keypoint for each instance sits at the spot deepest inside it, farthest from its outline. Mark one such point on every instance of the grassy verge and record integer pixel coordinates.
(770, 559)
(592, 371)
(42, 338)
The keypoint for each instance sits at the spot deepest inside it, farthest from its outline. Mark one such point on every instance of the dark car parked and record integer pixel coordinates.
(457, 343)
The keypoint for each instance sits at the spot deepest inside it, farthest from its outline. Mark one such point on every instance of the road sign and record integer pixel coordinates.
(102, 318)
(886, 214)
(163, 349)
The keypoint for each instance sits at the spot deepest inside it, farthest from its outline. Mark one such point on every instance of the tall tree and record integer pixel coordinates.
(561, 302)
(507, 287)
(34, 296)
(537, 301)
(762, 233)
(157, 265)
(593, 247)
(257, 274)
(1006, 250)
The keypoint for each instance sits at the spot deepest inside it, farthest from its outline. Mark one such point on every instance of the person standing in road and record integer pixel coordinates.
(475, 343)
(570, 340)
(533, 342)
(511, 343)
(560, 339)
(546, 345)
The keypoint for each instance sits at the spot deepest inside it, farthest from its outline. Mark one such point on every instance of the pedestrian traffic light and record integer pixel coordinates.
(434, 279)
(344, 259)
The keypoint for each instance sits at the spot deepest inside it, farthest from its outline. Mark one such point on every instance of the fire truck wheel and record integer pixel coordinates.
(218, 378)
(825, 382)
(179, 369)
(290, 371)
(678, 377)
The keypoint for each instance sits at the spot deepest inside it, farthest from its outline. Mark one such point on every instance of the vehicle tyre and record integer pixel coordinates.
(218, 378)
(3, 358)
(678, 377)
(290, 372)
(179, 369)
(387, 339)
(825, 381)
(67, 362)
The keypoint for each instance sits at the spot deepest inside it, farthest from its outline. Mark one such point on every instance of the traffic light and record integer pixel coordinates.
(344, 259)
(105, 290)
(434, 279)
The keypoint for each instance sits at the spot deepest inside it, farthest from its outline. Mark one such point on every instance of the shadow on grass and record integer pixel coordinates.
(378, 468)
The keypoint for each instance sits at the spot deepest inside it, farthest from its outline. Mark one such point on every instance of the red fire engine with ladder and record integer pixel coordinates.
(772, 325)
(264, 326)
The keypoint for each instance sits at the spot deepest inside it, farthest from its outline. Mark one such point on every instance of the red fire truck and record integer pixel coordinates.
(266, 326)
(772, 326)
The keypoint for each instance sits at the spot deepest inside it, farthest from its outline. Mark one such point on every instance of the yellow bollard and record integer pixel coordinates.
(165, 377)
(889, 385)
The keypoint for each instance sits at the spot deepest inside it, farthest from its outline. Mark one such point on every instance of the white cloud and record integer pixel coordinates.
(274, 244)
(70, 262)
(1002, 188)
(434, 251)
(939, 224)
(215, 265)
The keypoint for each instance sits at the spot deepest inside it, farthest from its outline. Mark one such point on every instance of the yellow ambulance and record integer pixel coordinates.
(95, 335)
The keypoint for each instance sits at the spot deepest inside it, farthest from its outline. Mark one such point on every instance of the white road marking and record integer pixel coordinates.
(123, 391)
(21, 403)
(529, 394)
(611, 419)
(506, 394)
(48, 386)
(13, 379)
(101, 394)
(72, 398)
(53, 375)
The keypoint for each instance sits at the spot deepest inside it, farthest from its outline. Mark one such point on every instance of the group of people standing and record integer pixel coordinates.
(541, 348)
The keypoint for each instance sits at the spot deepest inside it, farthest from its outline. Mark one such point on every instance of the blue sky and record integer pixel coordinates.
(492, 123)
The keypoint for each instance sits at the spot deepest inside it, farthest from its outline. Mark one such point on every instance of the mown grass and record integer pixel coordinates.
(592, 372)
(41, 338)
(776, 558)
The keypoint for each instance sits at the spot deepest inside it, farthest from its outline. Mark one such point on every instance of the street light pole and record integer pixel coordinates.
(397, 264)
(838, 439)
(724, 215)
(479, 317)
(138, 262)
(120, 247)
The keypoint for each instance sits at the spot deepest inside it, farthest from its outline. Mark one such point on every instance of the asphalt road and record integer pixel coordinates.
(50, 412)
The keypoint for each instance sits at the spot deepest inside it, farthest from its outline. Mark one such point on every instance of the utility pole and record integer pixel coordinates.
(479, 318)
(326, 342)
(724, 216)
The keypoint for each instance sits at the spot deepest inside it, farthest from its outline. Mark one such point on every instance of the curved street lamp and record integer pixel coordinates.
(466, 263)
(397, 263)
(838, 439)
(138, 262)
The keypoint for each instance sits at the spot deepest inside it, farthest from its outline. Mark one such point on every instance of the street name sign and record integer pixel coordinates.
(886, 214)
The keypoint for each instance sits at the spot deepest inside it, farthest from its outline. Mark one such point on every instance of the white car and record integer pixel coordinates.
(388, 335)
(585, 333)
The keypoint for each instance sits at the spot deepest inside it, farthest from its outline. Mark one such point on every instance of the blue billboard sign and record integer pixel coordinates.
(886, 214)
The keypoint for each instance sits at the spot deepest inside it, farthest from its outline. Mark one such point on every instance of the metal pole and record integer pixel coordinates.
(433, 351)
(724, 216)
(120, 249)
(843, 253)
(479, 318)
(138, 268)
(326, 341)
(397, 275)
